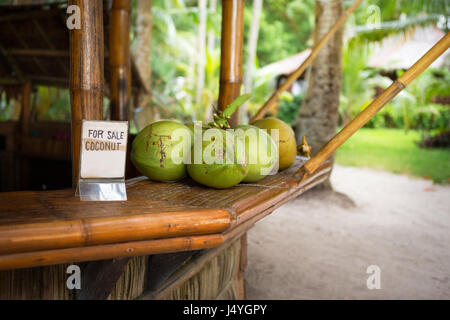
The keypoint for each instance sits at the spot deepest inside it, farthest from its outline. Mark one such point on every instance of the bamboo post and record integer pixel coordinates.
(328, 149)
(231, 54)
(298, 72)
(120, 59)
(86, 72)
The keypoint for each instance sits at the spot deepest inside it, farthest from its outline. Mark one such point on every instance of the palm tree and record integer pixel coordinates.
(319, 113)
(142, 55)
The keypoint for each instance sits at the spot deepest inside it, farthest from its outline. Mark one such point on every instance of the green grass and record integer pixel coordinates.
(393, 150)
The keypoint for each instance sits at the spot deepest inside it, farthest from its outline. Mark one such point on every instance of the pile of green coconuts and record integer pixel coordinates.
(166, 150)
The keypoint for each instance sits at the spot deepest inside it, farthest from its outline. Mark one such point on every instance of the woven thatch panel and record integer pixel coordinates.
(219, 278)
(48, 283)
(131, 283)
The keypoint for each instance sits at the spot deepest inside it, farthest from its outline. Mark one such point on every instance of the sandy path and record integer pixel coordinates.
(319, 245)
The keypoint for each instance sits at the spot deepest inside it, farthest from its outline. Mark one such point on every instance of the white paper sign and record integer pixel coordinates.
(103, 149)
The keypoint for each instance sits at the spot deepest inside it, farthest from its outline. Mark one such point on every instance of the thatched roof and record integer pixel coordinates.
(34, 45)
(397, 51)
(285, 66)
(401, 51)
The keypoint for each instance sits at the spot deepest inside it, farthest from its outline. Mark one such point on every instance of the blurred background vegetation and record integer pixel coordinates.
(285, 28)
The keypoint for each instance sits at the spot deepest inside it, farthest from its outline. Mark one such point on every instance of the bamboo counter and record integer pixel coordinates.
(55, 227)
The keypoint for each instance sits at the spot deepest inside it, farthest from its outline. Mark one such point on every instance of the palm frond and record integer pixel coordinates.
(384, 29)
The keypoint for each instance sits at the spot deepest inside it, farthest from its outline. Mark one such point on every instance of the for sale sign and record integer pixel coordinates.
(103, 149)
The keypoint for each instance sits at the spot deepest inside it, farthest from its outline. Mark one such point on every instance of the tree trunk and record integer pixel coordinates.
(142, 56)
(318, 116)
(201, 53)
(251, 54)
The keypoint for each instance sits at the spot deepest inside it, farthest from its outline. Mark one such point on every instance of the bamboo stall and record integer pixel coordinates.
(169, 240)
(33, 57)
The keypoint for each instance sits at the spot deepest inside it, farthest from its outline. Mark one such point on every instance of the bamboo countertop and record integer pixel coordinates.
(53, 227)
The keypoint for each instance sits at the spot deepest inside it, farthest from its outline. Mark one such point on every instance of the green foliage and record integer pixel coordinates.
(52, 104)
(174, 45)
(289, 109)
(394, 150)
(356, 91)
(262, 89)
(5, 108)
(233, 106)
(413, 107)
(391, 10)
(221, 117)
(392, 27)
(285, 28)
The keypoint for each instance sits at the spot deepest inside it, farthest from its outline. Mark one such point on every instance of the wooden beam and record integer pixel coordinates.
(184, 272)
(13, 63)
(42, 53)
(39, 53)
(86, 72)
(99, 278)
(27, 15)
(9, 82)
(120, 59)
(49, 44)
(50, 81)
(162, 266)
(231, 53)
(25, 46)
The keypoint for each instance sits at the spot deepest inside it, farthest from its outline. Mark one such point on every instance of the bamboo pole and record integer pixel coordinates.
(298, 72)
(328, 149)
(231, 54)
(86, 73)
(108, 251)
(120, 59)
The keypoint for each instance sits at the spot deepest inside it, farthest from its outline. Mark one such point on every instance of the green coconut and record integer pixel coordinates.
(261, 162)
(287, 146)
(159, 149)
(223, 161)
(191, 126)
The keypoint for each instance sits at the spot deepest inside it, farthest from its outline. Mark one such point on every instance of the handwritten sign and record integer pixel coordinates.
(103, 149)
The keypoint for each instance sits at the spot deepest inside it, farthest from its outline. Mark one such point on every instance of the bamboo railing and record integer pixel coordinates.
(328, 149)
(298, 72)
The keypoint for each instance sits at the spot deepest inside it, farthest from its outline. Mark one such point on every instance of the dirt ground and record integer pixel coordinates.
(320, 245)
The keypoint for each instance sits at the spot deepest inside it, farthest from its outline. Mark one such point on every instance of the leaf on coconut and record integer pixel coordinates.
(233, 106)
